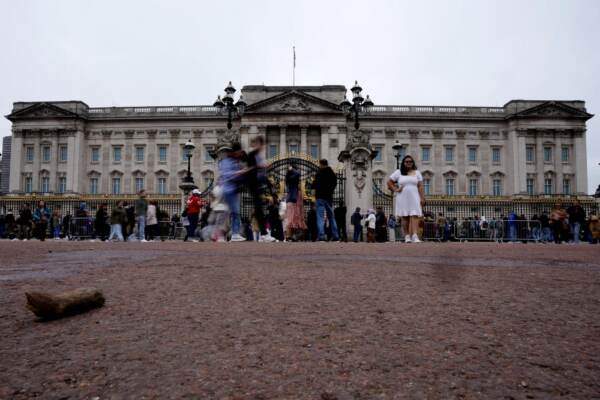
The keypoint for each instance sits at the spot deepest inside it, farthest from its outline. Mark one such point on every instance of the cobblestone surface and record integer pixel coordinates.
(304, 321)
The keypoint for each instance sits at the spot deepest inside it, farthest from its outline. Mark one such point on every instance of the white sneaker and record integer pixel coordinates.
(144, 241)
(236, 237)
(267, 238)
(415, 238)
(407, 239)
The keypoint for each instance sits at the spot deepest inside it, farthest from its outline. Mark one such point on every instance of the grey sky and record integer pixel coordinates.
(402, 52)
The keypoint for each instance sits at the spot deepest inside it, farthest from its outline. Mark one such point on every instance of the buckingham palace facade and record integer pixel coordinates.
(526, 147)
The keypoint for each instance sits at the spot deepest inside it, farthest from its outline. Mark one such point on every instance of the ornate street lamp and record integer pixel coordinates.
(187, 184)
(398, 148)
(188, 149)
(227, 103)
(358, 105)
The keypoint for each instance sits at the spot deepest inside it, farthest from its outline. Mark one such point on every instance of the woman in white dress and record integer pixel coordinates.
(407, 185)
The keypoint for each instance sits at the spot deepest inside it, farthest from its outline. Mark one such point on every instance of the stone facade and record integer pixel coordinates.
(524, 147)
(5, 164)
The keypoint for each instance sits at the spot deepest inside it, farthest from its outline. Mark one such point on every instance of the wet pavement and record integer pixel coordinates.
(304, 321)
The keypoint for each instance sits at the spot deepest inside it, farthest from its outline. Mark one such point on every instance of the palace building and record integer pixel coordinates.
(526, 147)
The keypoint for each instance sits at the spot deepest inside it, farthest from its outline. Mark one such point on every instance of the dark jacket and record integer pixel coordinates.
(292, 181)
(118, 216)
(141, 207)
(356, 219)
(25, 216)
(576, 214)
(324, 184)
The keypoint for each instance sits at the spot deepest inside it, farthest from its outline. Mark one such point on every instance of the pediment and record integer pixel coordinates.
(42, 111)
(552, 109)
(293, 102)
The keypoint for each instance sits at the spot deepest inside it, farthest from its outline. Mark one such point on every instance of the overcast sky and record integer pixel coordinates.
(482, 53)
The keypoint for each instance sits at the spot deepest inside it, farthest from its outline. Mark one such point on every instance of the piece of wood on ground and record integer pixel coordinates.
(52, 306)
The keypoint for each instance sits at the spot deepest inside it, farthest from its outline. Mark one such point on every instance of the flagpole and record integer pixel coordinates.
(294, 69)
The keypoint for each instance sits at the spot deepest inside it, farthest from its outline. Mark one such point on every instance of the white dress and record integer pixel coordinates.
(408, 201)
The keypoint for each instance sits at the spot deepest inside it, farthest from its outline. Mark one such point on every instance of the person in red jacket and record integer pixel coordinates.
(193, 207)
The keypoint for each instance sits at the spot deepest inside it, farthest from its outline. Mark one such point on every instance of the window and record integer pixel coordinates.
(427, 186)
(378, 181)
(139, 184)
(116, 185)
(29, 152)
(207, 150)
(565, 154)
(272, 151)
(314, 151)
(530, 186)
(63, 155)
(162, 153)
(450, 186)
(28, 184)
(449, 153)
(45, 185)
(183, 154)
(117, 154)
(530, 154)
(62, 184)
(496, 157)
(162, 185)
(95, 154)
(93, 185)
(473, 186)
(425, 154)
(293, 148)
(548, 186)
(472, 154)
(46, 153)
(379, 150)
(497, 187)
(547, 154)
(139, 154)
(567, 186)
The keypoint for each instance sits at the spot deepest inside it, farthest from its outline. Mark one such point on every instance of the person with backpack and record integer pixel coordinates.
(356, 221)
(324, 186)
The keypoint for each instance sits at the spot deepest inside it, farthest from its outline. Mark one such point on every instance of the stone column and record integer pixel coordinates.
(581, 181)
(539, 162)
(557, 162)
(303, 145)
(16, 155)
(128, 180)
(460, 162)
(282, 140)
(72, 154)
(437, 161)
(357, 158)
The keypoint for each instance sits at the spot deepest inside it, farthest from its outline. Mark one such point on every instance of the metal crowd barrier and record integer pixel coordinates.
(471, 230)
(81, 228)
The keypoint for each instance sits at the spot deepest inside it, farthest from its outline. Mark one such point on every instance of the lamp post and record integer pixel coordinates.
(188, 148)
(227, 102)
(398, 148)
(358, 105)
(187, 184)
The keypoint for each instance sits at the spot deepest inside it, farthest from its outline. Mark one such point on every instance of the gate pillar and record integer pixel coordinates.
(357, 158)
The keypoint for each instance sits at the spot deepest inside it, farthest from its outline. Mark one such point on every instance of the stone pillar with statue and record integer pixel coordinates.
(357, 158)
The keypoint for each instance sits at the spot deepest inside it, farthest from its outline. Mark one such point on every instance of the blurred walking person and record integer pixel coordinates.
(41, 216)
(324, 186)
(371, 223)
(256, 178)
(141, 209)
(152, 220)
(296, 226)
(118, 219)
(192, 209)
(230, 180)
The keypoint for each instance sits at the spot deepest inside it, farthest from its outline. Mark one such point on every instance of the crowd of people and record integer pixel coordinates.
(218, 218)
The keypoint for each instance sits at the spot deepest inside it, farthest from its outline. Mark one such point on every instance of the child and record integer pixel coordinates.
(55, 224)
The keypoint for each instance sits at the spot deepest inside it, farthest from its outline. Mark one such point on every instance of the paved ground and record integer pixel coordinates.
(304, 321)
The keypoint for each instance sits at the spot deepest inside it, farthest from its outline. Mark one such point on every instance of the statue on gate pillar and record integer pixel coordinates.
(357, 158)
